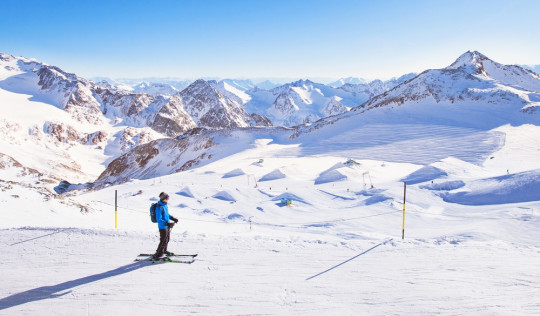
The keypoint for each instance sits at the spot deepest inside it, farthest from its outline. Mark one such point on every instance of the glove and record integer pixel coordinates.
(170, 225)
(175, 220)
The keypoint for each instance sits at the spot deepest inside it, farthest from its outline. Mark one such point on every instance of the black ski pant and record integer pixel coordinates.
(164, 236)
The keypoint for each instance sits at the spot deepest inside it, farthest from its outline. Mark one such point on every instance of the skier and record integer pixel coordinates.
(163, 218)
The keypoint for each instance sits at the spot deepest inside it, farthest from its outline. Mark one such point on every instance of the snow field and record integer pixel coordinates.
(255, 254)
(483, 257)
(401, 277)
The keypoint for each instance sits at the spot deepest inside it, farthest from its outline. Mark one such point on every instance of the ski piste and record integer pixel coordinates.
(175, 255)
(165, 259)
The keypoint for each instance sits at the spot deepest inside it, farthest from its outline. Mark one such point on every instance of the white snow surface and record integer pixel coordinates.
(483, 256)
(472, 214)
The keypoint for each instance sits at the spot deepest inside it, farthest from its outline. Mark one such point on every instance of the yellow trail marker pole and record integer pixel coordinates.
(403, 225)
(115, 209)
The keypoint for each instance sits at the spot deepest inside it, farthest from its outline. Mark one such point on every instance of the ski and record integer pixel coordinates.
(166, 259)
(175, 255)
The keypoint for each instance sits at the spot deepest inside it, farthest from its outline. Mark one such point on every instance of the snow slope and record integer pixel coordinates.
(70, 128)
(345, 239)
(471, 246)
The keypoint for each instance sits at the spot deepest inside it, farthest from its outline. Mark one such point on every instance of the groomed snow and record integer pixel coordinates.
(511, 188)
(472, 243)
(484, 257)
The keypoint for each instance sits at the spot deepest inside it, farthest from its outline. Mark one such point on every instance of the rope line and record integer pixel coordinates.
(298, 225)
(294, 225)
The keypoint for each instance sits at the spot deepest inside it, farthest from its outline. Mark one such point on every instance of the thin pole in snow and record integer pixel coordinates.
(115, 209)
(403, 225)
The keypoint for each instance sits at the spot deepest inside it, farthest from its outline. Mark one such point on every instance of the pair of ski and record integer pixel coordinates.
(189, 259)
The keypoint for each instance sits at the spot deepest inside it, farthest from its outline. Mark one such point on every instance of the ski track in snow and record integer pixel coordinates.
(407, 143)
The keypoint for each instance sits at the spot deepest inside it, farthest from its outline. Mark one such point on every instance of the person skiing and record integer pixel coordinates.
(163, 217)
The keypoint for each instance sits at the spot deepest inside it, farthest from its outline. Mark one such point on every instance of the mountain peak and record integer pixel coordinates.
(301, 82)
(199, 82)
(202, 86)
(469, 58)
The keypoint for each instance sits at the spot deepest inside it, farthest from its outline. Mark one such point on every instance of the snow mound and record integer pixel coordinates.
(444, 186)
(290, 196)
(377, 198)
(208, 211)
(186, 192)
(274, 175)
(235, 216)
(225, 196)
(512, 188)
(426, 173)
(330, 176)
(234, 173)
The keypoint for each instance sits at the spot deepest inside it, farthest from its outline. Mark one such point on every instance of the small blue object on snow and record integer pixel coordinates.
(286, 201)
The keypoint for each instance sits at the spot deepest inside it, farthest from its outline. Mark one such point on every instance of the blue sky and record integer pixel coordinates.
(258, 38)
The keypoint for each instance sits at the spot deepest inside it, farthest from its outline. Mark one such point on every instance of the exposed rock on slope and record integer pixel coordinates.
(210, 108)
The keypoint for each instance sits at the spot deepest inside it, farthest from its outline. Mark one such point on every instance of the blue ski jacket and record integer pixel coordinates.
(162, 215)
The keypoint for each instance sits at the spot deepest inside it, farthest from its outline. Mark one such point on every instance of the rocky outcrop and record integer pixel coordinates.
(159, 157)
(260, 120)
(72, 93)
(210, 108)
(172, 120)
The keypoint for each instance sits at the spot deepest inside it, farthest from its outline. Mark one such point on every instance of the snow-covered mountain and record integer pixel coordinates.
(211, 108)
(290, 104)
(304, 216)
(105, 122)
(155, 88)
(474, 93)
(78, 125)
(266, 84)
(240, 84)
(349, 80)
(472, 77)
(535, 68)
(305, 101)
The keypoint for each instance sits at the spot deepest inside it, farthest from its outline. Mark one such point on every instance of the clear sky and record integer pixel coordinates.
(259, 38)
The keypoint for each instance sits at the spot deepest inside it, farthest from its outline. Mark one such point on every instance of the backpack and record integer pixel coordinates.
(153, 212)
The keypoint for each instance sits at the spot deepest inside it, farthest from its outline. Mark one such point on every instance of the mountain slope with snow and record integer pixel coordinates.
(464, 138)
(210, 108)
(471, 78)
(78, 126)
(305, 101)
(447, 109)
(349, 80)
(472, 92)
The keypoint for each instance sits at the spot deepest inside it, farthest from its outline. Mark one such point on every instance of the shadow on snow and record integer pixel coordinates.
(61, 289)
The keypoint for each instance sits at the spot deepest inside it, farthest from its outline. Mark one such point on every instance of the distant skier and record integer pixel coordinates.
(163, 218)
